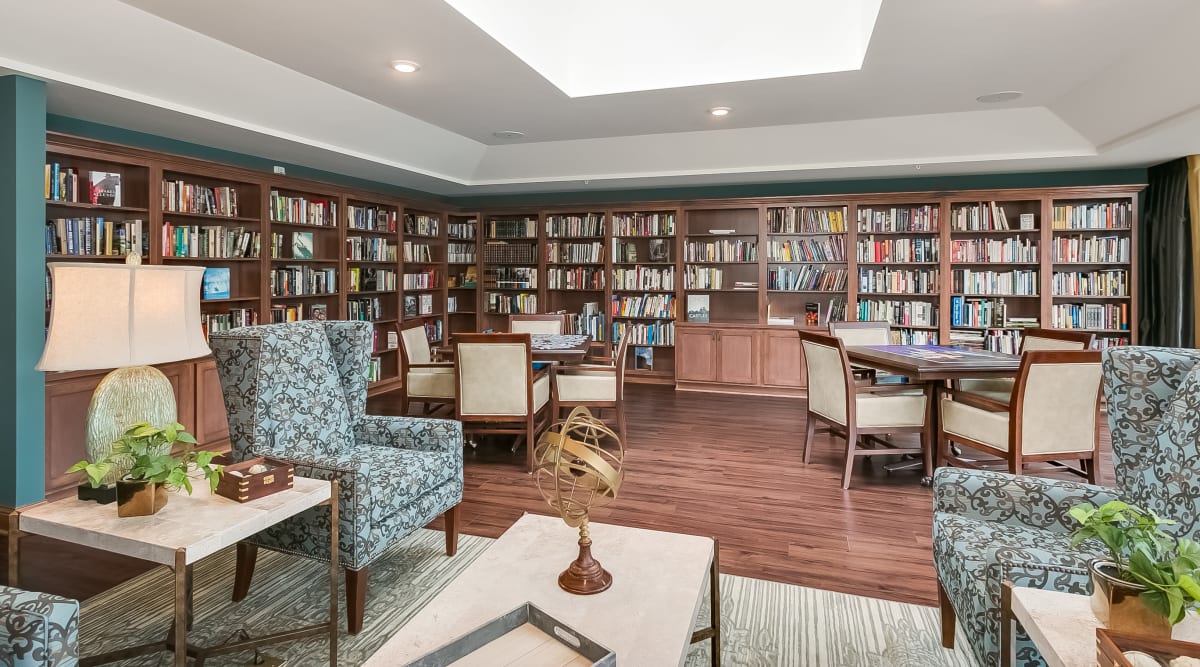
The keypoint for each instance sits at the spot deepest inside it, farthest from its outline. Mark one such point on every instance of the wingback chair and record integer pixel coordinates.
(989, 527)
(38, 629)
(297, 392)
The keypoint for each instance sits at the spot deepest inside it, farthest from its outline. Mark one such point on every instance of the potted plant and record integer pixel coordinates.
(144, 490)
(1149, 581)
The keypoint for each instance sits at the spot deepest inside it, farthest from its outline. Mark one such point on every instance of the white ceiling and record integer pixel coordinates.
(1107, 83)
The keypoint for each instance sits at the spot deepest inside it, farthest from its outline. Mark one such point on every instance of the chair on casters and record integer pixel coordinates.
(592, 385)
(548, 323)
(1001, 389)
(297, 392)
(425, 378)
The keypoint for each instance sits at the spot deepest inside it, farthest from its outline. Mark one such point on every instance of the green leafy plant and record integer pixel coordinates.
(1143, 553)
(149, 448)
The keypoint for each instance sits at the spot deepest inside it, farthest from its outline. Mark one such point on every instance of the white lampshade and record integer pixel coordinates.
(115, 315)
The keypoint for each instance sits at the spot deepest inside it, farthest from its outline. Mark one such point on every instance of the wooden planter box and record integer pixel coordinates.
(246, 486)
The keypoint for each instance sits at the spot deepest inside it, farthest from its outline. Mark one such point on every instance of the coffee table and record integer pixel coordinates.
(186, 530)
(646, 618)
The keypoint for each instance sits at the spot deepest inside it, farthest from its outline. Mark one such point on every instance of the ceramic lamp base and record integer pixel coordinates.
(126, 396)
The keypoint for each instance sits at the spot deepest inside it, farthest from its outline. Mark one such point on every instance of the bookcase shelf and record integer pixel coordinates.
(84, 206)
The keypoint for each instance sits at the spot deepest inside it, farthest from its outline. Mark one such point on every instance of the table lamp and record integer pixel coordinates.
(125, 317)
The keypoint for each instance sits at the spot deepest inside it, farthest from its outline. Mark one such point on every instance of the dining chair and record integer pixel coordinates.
(426, 379)
(856, 411)
(496, 389)
(600, 386)
(866, 333)
(1053, 416)
(1001, 389)
(545, 323)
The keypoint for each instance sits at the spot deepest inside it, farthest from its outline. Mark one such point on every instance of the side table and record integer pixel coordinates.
(188, 529)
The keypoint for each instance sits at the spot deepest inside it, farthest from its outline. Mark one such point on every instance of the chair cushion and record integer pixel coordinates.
(541, 392)
(37, 629)
(878, 411)
(431, 382)
(968, 421)
(398, 476)
(587, 386)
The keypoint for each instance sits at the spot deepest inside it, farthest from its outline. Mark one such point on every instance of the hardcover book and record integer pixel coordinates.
(302, 245)
(643, 358)
(215, 283)
(410, 306)
(105, 188)
(697, 307)
(426, 304)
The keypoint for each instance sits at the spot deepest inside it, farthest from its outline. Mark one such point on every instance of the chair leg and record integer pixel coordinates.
(621, 422)
(404, 404)
(810, 428)
(356, 599)
(851, 445)
(450, 520)
(530, 439)
(247, 555)
(948, 619)
(1089, 467)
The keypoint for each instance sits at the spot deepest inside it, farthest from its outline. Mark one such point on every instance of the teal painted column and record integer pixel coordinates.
(22, 290)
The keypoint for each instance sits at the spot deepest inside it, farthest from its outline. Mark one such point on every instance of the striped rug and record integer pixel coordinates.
(764, 623)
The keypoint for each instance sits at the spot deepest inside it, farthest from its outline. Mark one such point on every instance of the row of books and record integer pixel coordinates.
(391, 342)
(897, 250)
(300, 210)
(1015, 282)
(510, 277)
(558, 252)
(366, 309)
(645, 333)
(703, 277)
(644, 224)
(589, 321)
(831, 249)
(626, 252)
(460, 253)
(371, 218)
(427, 279)
(645, 305)
(900, 313)
(181, 197)
(644, 277)
(236, 317)
(898, 219)
(296, 312)
(65, 184)
(807, 278)
(463, 231)
(1090, 316)
(302, 281)
(588, 224)
(994, 340)
(500, 252)
(362, 279)
(512, 228)
(301, 245)
(898, 281)
(416, 305)
(1110, 215)
(422, 224)
(213, 241)
(965, 312)
(739, 250)
(1092, 249)
(913, 337)
(1103, 342)
(576, 278)
(433, 331)
(1113, 282)
(987, 217)
(1015, 249)
(417, 252)
(370, 249)
(95, 237)
(499, 302)
(374, 369)
(804, 220)
(466, 278)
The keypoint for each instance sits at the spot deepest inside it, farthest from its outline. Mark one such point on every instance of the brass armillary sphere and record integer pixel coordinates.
(575, 474)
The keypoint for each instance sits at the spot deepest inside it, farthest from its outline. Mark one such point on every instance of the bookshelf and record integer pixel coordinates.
(512, 265)
(807, 269)
(424, 250)
(720, 264)
(1093, 260)
(643, 294)
(574, 255)
(304, 250)
(898, 278)
(372, 259)
(462, 273)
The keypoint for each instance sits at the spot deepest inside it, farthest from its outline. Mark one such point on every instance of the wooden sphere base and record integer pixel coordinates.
(585, 576)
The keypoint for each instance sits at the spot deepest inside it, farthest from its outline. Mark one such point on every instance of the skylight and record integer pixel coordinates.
(600, 47)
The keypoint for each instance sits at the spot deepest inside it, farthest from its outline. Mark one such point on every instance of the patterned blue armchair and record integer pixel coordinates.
(297, 392)
(990, 527)
(38, 629)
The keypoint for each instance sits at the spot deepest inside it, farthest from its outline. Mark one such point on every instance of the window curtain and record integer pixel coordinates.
(1193, 195)
(1167, 289)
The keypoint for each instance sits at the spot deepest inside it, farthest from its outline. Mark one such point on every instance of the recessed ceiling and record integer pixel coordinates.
(623, 46)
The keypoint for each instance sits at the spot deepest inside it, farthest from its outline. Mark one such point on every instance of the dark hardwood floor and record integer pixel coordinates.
(706, 464)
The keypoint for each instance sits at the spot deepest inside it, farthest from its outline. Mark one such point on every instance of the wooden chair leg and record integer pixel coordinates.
(450, 519)
(404, 404)
(427, 409)
(810, 428)
(247, 555)
(948, 618)
(356, 599)
(851, 446)
(621, 423)
(530, 441)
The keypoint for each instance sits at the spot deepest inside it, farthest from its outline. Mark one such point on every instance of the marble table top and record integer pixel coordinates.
(201, 524)
(1063, 626)
(646, 618)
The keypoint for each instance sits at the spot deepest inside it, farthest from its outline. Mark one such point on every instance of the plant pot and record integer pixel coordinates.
(140, 498)
(1118, 604)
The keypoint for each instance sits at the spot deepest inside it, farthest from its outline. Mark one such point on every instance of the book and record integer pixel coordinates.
(643, 358)
(410, 306)
(215, 283)
(319, 311)
(393, 340)
(302, 245)
(812, 314)
(659, 250)
(426, 304)
(105, 188)
(697, 307)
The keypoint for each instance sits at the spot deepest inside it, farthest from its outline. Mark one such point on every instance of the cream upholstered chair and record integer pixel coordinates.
(1001, 389)
(857, 411)
(550, 323)
(496, 389)
(1054, 415)
(593, 385)
(866, 333)
(426, 380)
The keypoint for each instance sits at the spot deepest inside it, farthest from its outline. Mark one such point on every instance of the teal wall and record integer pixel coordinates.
(22, 290)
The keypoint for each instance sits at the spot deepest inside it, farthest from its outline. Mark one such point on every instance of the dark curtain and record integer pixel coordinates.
(1165, 259)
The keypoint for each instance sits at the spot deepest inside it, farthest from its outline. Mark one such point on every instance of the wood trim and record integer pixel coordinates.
(1084, 338)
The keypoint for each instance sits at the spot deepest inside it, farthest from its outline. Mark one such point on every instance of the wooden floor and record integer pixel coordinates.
(706, 464)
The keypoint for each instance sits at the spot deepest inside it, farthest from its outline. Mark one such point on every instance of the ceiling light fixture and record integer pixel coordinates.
(720, 111)
(508, 134)
(405, 66)
(1002, 96)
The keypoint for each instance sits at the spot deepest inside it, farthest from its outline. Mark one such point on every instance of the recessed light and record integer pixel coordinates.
(405, 66)
(720, 111)
(1002, 96)
(508, 134)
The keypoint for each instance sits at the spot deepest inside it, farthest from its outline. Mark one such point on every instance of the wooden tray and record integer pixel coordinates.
(247, 486)
(1111, 647)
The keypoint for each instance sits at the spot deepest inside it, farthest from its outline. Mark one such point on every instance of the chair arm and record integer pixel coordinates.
(436, 364)
(1033, 502)
(38, 628)
(887, 388)
(430, 435)
(976, 401)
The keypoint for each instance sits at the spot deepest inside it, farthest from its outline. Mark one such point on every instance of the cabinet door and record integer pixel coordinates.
(737, 358)
(697, 355)
(182, 377)
(783, 360)
(212, 423)
(67, 403)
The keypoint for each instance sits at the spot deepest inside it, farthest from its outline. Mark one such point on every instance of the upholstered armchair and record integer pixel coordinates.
(297, 392)
(597, 386)
(425, 379)
(1001, 389)
(548, 323)
(38, 629)
(990, 527)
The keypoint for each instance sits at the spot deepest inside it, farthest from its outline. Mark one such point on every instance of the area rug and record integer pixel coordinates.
(764, 623)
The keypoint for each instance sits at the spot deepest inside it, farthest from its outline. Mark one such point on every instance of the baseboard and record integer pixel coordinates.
(743, 390)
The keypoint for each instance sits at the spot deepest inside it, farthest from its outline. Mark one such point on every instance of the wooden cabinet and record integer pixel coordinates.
(212, 422)
(748, 358)
(782, 359)
(737, 356)
(697, 355)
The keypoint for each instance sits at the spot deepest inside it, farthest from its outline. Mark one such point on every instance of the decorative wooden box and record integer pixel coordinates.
(1111, 647)
(239, 484)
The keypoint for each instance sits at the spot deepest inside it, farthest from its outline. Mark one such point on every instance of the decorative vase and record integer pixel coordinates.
(1119, 606)
(140, 498)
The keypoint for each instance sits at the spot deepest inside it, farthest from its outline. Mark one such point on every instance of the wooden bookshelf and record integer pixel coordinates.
(512, 268)
(574, 253)
(424, 245)
(462, 273)
(645, 270)
(372, 282)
